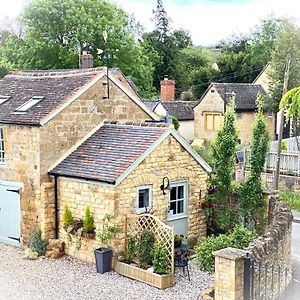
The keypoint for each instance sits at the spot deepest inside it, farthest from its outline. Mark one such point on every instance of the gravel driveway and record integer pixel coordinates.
(68, 278)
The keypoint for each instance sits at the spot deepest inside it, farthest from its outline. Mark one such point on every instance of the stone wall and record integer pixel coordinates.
(273, 248)
(22, 164)
(169, 159)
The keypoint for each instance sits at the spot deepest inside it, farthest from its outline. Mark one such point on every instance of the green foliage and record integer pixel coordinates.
(292, 199)
(239, 238)
(283, 145)
(67, 217)
(145, 248)
(291, 100)
(108, 230)
(251, 195)
(78, 238)
(88, 221)
(160, 260)
(175, 123)
(131, 248)
(36, 243)
(223, 159)
(3, 72)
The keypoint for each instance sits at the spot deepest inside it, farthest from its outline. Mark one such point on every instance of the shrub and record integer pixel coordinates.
(108, 230)
(175, 123)
(88, 222)
(160, 260)
(292, 199)
(145, 248)
(240, 238)
(68, 218)
(131, 249)
(283, 145)
(36, 243)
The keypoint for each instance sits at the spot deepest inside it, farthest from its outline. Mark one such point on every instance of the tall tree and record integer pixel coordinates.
(56, 32)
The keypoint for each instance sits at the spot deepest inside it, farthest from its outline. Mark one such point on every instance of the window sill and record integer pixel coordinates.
(140, 211)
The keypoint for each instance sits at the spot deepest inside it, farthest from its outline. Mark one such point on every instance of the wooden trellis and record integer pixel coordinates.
(164, 234)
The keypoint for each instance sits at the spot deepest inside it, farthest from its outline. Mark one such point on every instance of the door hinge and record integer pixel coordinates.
(14, 238)
(14, 191)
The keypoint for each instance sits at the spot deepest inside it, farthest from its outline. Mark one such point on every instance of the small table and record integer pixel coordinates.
(181, 258)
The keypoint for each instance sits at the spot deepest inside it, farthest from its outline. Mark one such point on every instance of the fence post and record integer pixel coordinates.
(247, 276)
(229, 274)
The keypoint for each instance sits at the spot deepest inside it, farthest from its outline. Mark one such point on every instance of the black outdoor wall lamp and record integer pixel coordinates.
(166, 185)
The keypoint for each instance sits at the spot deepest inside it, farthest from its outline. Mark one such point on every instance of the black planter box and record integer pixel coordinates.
(103, 258)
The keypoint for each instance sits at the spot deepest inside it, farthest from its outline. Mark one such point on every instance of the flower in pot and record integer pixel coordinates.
(103, 255)
(68, 218)
(178, 240)
(88, 224)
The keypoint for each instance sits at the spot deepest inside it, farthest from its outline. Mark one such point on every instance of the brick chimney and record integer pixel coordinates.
(167, 90)
(86, 60)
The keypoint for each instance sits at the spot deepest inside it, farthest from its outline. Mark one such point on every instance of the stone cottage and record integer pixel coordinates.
(43, 114)
(210, 109)
(127, 168)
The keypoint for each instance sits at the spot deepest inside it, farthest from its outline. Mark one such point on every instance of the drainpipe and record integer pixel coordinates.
(55, 208)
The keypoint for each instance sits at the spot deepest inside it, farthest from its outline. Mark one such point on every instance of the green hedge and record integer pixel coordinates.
(239, 238)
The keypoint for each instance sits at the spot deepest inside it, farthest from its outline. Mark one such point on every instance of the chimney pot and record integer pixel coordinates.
(167, 90)
(86, 60)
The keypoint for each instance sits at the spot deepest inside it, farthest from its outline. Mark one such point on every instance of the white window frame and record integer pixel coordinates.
(2, 153)
(30, 103)
(185, 184)
(138, 209)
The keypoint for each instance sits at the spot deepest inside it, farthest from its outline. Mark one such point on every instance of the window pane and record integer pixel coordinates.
(180, 192)
(180, 207)
(173, 193)
(143, 198)
(173, 207)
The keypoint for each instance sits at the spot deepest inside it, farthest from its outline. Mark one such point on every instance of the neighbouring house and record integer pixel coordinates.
(168, 106)
(122, 168)
(210, 109)
(43, 114)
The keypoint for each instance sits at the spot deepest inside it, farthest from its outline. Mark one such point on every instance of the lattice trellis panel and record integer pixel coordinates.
(164, 234)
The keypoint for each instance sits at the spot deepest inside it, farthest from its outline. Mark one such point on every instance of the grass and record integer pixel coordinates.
(292, 199)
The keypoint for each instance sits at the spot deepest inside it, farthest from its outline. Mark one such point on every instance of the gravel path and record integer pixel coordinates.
(68, 278)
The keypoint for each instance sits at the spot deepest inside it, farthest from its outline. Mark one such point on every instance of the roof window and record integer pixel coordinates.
(4, 98)
(29, 104)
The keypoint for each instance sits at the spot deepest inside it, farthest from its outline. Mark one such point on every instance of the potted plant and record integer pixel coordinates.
(178, 240)
(88, 224)
(103, 255)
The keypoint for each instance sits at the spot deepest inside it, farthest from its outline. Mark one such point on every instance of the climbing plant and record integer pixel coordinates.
(251, 196)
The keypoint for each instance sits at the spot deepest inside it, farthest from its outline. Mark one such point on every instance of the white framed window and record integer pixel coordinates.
(1, 146)
(178, 199)
(143, 198)
(32, 102)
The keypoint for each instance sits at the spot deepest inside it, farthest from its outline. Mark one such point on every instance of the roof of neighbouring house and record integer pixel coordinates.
(182, 110)
(245, 94)
(57, 87)
(114, 149)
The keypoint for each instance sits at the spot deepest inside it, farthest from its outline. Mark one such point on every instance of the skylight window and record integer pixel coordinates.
(29, 104)
(4, 98)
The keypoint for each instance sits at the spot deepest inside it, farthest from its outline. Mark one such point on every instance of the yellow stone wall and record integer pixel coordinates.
(169, 159)
(212, 102)
(31, 151)
(22, 164)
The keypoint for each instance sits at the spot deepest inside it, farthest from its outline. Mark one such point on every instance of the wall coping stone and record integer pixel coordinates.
(230, 253)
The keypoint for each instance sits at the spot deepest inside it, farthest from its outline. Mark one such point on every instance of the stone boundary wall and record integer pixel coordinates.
(273, 248)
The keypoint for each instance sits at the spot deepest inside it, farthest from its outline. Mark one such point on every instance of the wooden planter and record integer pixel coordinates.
(159, 281)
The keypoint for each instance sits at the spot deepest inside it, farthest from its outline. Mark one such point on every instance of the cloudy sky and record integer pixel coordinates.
(208, 21)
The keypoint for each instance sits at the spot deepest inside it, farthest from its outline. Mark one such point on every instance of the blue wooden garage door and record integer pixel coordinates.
(10, 231)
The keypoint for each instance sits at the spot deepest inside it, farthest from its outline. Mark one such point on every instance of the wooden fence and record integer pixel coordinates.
(289, 162)
(292, 144)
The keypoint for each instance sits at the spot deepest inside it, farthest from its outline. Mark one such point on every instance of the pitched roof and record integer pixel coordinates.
(112, 151)
(109, 151)
(245, 93)
(151, 104)
(57, 88)
(182, 110)
(54, 86)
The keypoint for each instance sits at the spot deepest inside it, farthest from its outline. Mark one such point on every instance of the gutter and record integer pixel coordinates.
(56, 230)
